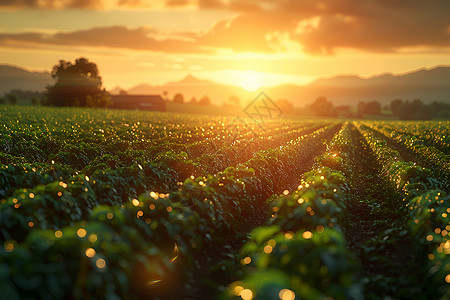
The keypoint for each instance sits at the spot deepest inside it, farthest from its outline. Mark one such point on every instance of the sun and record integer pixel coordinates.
(250, 81)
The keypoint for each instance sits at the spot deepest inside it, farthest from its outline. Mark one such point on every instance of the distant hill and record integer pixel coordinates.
(191, 87)
(427, 84)
(16, 78)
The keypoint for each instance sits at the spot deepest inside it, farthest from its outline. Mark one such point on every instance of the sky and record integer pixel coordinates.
(229, 41)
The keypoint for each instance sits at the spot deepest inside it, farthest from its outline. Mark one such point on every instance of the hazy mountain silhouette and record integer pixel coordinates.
(17, 78)
(190, 80)
(426, 84)
(190, 87)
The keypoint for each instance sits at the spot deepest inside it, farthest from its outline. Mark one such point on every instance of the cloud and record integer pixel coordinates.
(112, 37)
(319, 26)
(243, 33)
(370, 25)
(52, 4)
(378, 26)
(176, 3)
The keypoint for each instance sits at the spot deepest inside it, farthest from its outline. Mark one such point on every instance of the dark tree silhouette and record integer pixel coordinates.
(373, 108)
(322, 107)
(11, 98)
(234, 101)
(344, 111)
(34, 101)
(440, 110)
(178, 98)
(204, 101)
(415, 110)
(396, 105)
(77, 84)
(369, 108)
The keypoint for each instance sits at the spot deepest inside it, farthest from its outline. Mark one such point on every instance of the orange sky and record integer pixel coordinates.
(289, 41)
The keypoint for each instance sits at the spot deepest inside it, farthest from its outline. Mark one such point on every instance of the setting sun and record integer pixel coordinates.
(250, 81)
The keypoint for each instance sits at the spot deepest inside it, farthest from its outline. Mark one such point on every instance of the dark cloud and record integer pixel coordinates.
(175, 3)
(130, 3)
(52, 4)
(211, 4)
(320, 26)
(111, 37)
(378, 26)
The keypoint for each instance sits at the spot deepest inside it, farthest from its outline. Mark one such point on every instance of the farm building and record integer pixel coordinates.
(141, 102)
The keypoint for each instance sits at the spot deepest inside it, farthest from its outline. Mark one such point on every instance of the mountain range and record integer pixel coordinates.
(426, 84)
(12, 77)
(429, 85)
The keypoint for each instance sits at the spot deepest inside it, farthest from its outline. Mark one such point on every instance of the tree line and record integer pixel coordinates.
(403, 110)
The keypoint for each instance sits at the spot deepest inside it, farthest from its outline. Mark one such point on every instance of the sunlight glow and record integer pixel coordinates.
(250, 81)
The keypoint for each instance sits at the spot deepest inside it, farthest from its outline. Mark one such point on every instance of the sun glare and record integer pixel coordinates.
(250, 81)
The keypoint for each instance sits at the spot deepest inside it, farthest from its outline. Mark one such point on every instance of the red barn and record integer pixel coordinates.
(141, 102)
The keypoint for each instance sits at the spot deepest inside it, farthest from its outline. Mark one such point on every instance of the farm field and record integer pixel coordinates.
(110, 204)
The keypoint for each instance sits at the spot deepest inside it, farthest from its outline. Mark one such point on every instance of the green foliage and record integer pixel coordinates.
(77, 84)
(414, 110)
(301, 250)
(425, 201)
(313, 267)
(323, 107)
(135, 205)
(11, 99)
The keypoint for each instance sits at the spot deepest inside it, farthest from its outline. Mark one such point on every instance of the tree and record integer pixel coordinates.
(34, 101)
(369, 108)
(439, 109)
(178, 98)
(11, 98)
(445, 114)
(77, 84)
(395, 106)
(343, 111)
(204, 101)
(234, 101)
(25, 95)
(322, 107)
(193, 100)
(373, 108)
(415, 110)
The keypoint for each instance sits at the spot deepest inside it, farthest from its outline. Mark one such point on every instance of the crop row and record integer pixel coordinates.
(428, 211)
(58, 136)
(428, 156)
(173, 166)
(432, 133)
(301, 251)
(74, 254)
(76, 196)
